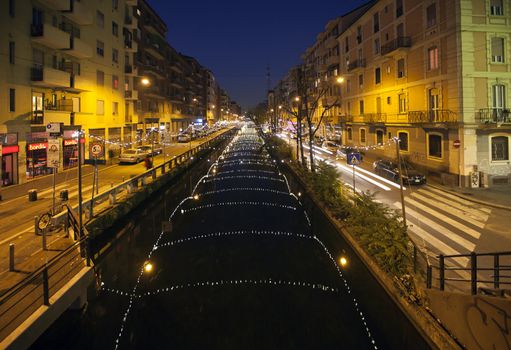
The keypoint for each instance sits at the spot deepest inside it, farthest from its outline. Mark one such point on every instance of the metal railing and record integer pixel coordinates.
(433, 116)
(20, 301)
(375, 117)
(399, 42)
(485, 269)
(360, 63)
(493, 115)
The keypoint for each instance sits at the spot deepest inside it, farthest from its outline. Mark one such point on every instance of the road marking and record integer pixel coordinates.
(436, 243)
(481, 215)
(439, 228)
(444, 218)
(451, 210)
(393, 184)
(458, 199)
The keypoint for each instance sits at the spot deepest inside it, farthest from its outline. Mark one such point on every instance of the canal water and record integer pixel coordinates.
(243, 267)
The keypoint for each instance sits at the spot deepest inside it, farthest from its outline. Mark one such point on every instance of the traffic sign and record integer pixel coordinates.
(456, 143)
(353, 158)
(53, 129)
(53, 153)
(96, 150)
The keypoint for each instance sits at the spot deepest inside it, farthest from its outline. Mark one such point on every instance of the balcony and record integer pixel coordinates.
(59, 5)
(399, 44)
(345, 119)
(79, 49)
(332, 61)
(78, 13)
(49, 36)
(432, 116)
(375, 118)
(78, 83)
(360, 63)
(50, 78)
(156, 69)
(130, 46)
(493, 116)
(37, 118)
(131, 2)
(130, 22)
(130, 70)
(131, 95)
(153, 26)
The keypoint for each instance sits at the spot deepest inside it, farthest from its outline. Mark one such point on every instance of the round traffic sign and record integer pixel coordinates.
(96, 150)
(456, 143)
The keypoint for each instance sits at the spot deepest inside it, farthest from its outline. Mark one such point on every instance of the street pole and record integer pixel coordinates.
(53, 185)
(94, 187)
(400, 181)
(80, 206)
(152, 147)
(354, 188)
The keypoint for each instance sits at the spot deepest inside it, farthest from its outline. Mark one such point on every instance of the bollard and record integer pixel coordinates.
(111, 198)
(46, 287)
(11, 257)
(36, 227)
(64, 195)
(32, 195)
(44, 238)
(123, 179)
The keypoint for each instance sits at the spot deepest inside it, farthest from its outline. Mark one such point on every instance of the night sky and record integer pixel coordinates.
(237, 39)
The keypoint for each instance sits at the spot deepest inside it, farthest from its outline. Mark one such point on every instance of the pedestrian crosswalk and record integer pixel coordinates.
(444, 223)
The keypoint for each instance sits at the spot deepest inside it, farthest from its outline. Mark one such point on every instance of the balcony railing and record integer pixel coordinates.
(128, 69)
(397, 43)
(375, 117)
(432, 116)
(360, 63)
(493, 116)
(60, 105)
(345, 119)
(37, 117)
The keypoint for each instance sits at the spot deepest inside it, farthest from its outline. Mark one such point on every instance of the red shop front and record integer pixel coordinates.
(70, 152)
(36, 160)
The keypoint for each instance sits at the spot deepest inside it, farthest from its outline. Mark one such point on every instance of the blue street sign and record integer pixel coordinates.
(353, 158)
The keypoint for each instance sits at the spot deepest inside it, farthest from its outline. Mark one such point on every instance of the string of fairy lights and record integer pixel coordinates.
(247, 135)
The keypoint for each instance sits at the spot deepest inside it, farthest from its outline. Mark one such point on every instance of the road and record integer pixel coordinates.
(17, 213)
(438, 222)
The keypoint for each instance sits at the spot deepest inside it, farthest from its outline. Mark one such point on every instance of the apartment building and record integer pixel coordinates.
(434, 74)
(212, 90)
(62, 61)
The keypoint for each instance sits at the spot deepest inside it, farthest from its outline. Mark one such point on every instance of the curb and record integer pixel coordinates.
(498, 206)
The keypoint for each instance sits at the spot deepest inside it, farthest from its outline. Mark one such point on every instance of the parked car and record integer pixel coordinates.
(151, 150)
(132, 156)
(330, 146)
(390, 169)
(184, 138)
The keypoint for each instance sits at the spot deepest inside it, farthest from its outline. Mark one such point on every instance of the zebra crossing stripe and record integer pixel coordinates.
(471, 232)
(481, 215)
(458, 199)
(451, 210)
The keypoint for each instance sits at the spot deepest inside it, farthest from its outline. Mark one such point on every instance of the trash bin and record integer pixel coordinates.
(64, 195)
(32, 195)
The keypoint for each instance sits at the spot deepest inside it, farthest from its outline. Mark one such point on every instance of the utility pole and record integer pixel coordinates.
(396, 139)
(80, 206)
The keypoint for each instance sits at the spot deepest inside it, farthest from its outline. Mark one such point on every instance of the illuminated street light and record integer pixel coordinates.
(297, 98)
(145, 81)
(148, 267)
(340, 80)
(343, 261)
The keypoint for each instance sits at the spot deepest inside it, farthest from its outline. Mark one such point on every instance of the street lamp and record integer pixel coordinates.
(145, 81)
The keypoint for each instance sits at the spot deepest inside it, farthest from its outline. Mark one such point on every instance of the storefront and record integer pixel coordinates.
(70, 152)
(10, 150)
(36, 159)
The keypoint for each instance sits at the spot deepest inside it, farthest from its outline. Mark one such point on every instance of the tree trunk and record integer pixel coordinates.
(311, 150)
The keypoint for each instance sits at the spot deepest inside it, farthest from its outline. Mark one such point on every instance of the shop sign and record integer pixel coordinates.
(53, 153)
(9, 149)
(9, 139)
(53, 129)
(37, 146)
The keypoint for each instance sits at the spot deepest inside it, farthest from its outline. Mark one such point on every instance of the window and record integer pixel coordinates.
(435, 145)
(496, 8)
(376, 22)
(115, 55)
(100, 48)
(359, 34)
(403, 140)
(100, 107)
(346, 45)
(12, 7)
(377, 75)
(431, 15)
(12, 52)
(100, 78)
(377, 46)
(402, 103)
(115, 29)
(499, 96)
(497, 50)
(12, 100)
(115, 108)
(115, 4)
(499, 148)
(115, 82)
(401, 68)
(389, 100)
(379, 137)
(399, 8)
(389, 135)
(350, 134)
(362, 135)
(433, 58)
(361, 80)
(100, 19)
(361, 106)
